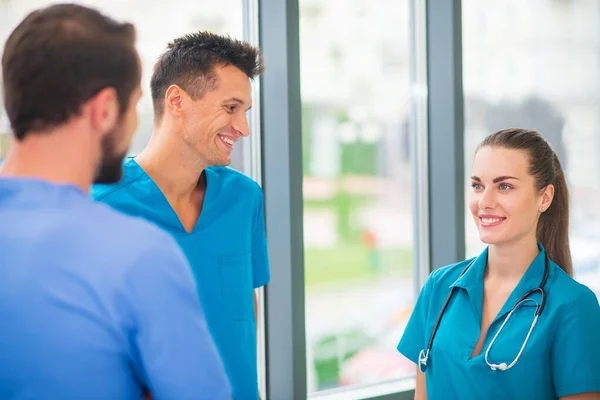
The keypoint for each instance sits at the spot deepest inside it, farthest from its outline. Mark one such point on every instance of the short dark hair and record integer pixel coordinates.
(190, 60)
(61, 56)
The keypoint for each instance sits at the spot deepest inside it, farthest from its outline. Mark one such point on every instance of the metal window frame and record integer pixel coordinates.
(446, 132)
(250, 162)
(440, 200)
(282, 185)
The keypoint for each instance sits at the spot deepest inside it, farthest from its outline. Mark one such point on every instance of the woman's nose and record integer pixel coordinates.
(487, 199)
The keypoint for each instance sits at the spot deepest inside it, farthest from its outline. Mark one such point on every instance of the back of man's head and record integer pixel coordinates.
(58, 58)
(190, 60)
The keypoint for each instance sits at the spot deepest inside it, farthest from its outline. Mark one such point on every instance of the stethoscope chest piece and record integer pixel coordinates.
(423, 360)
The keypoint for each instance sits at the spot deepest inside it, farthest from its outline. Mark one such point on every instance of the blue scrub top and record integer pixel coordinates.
(95, 304)
(561, 358)
(226, 249)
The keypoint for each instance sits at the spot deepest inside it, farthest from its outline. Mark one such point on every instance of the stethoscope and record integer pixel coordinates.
(424, 354)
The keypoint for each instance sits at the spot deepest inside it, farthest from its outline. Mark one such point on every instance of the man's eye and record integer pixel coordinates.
(231, 108)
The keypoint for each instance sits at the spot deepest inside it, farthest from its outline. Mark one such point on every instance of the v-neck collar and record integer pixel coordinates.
(472, 282)
(163, 211)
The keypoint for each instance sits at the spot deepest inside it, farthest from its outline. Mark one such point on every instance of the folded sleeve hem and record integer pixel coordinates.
(577, 387)
(411, 354)
(260, 282)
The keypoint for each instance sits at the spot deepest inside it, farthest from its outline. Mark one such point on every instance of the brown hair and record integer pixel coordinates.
(58, 58)
(544, 166)
(190, 60)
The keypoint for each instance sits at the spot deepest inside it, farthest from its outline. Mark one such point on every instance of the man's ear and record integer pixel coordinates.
(104, 110)
(174, 97)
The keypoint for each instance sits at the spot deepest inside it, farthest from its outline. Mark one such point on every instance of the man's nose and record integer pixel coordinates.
(240, 124)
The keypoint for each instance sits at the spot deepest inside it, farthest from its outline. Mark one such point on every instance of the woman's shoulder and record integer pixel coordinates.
(445, 276)
(566, 290)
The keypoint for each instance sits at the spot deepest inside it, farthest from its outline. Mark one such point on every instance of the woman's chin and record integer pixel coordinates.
(488, 239)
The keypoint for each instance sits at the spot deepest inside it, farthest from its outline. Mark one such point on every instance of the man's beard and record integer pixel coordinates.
(110, 169)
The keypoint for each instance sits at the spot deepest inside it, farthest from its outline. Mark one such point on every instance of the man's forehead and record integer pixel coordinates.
(239, 86)
(233, 74)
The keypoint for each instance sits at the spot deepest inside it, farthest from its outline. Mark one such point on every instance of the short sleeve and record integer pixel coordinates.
(575, 354)
(414, 339)
(261, 273)
(176, 355)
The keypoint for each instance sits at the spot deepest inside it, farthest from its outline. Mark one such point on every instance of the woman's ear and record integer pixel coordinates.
(547, 197)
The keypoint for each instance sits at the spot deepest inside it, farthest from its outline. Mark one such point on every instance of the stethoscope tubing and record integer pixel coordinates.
(424, 354)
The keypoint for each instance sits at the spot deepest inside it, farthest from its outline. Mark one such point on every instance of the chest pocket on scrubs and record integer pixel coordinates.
(235, 273)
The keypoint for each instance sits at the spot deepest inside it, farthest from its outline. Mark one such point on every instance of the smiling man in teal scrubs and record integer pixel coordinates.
(201, 92)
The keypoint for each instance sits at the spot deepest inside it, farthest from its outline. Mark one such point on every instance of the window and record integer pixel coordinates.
(358, 191)
(536, 65)
(156, 26)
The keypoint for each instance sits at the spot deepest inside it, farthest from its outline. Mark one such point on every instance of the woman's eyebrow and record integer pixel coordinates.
(504, 178)
(496, 180)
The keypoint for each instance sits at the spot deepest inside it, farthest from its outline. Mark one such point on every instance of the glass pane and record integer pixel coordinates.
(156, 26)
(536, 65)
(358, 221)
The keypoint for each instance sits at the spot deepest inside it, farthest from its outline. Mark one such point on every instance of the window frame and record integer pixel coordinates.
(437, 129)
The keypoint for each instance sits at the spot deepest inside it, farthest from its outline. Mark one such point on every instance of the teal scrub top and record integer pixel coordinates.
(227, 251)
(562, 356)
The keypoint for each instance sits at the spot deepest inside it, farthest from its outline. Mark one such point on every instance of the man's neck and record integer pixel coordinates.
(173, 167)
(53, 157)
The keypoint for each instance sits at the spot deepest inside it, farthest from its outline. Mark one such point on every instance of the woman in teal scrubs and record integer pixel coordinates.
(511, 323)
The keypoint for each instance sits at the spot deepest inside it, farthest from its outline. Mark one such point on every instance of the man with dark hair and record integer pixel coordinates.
(201, 92)
(94, 304)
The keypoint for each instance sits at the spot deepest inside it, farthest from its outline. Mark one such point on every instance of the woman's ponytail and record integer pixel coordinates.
(553, 226)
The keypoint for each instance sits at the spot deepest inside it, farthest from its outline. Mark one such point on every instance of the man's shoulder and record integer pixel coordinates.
(95, 234)
(132, 245)
(132, 234)
(131, 175)
(234, 180)
(136, 232)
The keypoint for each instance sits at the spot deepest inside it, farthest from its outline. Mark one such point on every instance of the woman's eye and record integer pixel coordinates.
(476, 186)
(504, 186)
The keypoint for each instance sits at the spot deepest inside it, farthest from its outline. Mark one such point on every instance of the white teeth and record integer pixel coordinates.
(490, 220)
(227, 140)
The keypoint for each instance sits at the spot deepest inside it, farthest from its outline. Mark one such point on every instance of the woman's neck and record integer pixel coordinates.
(510, 261)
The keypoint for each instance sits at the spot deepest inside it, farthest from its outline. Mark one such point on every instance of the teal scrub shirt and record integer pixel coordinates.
(562, 356)
(227, 251)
